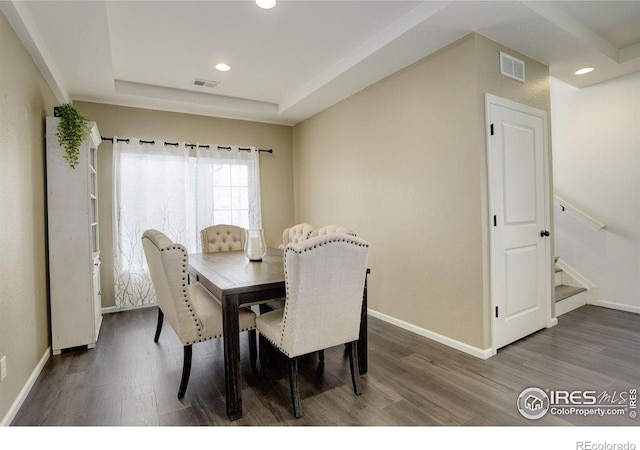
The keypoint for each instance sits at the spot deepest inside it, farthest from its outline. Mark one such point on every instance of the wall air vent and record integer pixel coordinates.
(511, 67)
(205, 83)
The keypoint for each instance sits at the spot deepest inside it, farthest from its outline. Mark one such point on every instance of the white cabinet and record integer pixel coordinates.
(74, 253)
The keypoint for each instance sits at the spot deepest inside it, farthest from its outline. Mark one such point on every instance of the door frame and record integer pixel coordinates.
(490, 100)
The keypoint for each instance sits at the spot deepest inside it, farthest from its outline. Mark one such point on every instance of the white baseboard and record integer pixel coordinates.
(618, 306)
(11, 414)
(466, 348)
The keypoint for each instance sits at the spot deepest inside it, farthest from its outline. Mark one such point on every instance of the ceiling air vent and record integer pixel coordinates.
(205, 83)
(511, 67)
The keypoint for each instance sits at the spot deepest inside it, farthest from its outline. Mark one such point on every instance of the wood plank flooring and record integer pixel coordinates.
(128, 380)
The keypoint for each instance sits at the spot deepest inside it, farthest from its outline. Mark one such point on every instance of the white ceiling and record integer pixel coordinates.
(300, 57)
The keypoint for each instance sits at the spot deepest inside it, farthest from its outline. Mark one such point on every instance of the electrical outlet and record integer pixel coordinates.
(3, 368)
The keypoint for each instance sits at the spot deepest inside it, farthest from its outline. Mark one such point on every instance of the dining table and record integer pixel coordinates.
(238, 282)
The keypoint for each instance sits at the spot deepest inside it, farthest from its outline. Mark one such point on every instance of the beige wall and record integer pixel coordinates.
(403, 163)
(399, 163)
(25, 100)
(276, 173)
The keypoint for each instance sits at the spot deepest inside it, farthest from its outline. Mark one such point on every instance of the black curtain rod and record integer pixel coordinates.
(175, 144)
(111, 139)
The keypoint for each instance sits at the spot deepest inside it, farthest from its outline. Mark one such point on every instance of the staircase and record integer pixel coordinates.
(569, 293)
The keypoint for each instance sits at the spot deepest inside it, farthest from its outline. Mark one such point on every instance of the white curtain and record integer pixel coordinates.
(161, 186)
(152, 190)
(227, 183)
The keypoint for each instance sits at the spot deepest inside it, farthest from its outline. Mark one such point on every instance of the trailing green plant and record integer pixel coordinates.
(72, 130)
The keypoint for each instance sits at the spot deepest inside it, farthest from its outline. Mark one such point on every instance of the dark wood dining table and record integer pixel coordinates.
(236, 282)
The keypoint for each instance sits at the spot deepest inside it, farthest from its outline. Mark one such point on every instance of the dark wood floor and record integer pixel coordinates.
(128, 380)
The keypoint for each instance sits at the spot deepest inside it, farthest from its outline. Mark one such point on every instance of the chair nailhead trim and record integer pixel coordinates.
(349, 241)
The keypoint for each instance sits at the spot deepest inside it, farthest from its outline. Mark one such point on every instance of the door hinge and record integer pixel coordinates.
(495, 221)
(497, 315)
(491, 129)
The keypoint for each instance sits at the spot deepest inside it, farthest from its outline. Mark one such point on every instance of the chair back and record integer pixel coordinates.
(222, 238)
(296, 233)
(332, 229)
(325, 278)
(168, 265)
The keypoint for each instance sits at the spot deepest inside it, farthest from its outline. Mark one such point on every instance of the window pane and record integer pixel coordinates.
(239, 175)
(221, 198)
(221, 175)
(226, 193)
(240, 197)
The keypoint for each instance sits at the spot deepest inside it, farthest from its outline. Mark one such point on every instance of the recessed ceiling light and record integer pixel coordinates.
(583, 71)
(223, 67)
(266, 4)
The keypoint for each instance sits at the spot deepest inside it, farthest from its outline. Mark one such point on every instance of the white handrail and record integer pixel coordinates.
(568, 206)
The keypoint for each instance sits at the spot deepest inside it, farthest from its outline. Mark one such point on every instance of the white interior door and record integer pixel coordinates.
(519, 204)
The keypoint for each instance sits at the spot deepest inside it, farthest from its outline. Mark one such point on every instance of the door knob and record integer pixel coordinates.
(544, 233)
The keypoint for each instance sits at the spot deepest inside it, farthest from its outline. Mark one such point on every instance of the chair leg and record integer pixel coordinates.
(159, 325)
(355, 367)
(321, 355)
(264, 355)
(295, 390)
(186, 371)
(253, 350)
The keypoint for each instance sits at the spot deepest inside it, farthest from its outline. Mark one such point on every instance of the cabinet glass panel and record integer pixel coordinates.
(92, 157)
(93, 213)
(92, 183)
(94, 238)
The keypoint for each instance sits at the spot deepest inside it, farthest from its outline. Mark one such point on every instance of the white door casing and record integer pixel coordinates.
(519, 204)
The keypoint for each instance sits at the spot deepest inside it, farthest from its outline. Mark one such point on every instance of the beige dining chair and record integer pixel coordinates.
(225, 238)
(222, 238)
(291, 235)
(324, 279)
(296, 233)
(332, 229)
(322, 231)
(193, 313)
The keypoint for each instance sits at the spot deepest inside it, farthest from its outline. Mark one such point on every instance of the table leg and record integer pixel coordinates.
(362, 341)
(233, 375)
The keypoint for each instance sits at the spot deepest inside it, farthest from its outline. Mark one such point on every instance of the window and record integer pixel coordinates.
(161, 187)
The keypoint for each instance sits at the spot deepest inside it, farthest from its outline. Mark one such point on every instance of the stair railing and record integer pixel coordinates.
(566, 206)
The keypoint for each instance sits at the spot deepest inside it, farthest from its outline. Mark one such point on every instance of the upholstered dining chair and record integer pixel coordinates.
(222, 238)
(296, 233)
(324, 279)
(193, 313)
(292, 235)
(332, 229)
